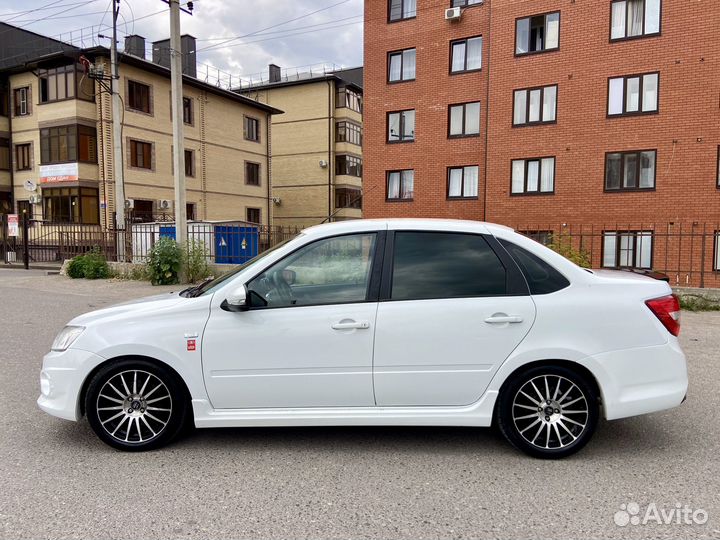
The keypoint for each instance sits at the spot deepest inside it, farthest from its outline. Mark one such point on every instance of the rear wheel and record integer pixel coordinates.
(548, 411)
(136, 405)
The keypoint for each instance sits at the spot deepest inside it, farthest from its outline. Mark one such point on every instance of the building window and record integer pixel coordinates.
(65, 82)
(542, 237)
(716, 253)
(535, 105)
(463, 182)
(717, 176)
(400, 185)
(138, 98)
(348, 165)
(4, 154)
(348, 132)
(348, 98)
(24, 207)
(251, 128)
(252, 173)
(401, 66)
(464, 120)
(189, 163)
(21, 101)
(537, 34)
(533, 176)
(22, 157)
(65, 144)
(401, 126)
(634, 18)
(401, 9)
(627, 249)
(190, 211)
(4, 98)
(142, 211)
(466, 3)
(252, 215)
(348, 198)
(466, 55)
(630, 170)
(71, 205)
(633, 94)
(187, 111)
(140, 154)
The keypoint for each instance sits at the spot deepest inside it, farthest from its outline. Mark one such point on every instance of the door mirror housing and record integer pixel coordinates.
(236, 300)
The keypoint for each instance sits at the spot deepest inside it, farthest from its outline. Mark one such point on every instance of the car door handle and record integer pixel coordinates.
(502, 319)
(351, 325)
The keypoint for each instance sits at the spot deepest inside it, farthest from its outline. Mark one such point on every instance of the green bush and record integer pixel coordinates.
(91, 265)
(164, 262)
(695, 302)
(196, 265)
(562, 244)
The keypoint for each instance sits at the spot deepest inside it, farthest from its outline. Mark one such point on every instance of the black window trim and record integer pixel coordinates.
(635, 233)
(623, 155)
(716, 251)
(462, 183)
(465, 40)
(464, 105)
(466, 5)
(525, 192)
(387, 186)
(376, 269)
(531, 53)
(717, 171)
(402, 61)
(528, 123)
(515, 283)
(641, 36)
(401, 140)
(639, 112)
(402, 12)
(504, 243)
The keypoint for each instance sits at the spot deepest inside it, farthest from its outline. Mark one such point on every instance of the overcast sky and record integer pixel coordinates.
(289, 33)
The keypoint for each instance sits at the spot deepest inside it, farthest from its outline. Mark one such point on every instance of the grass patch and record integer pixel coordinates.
(695, 302)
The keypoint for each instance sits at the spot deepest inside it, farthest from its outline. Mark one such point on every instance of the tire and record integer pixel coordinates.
(136, 405)
(555, 427)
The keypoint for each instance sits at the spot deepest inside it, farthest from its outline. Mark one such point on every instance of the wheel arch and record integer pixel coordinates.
(102, 365)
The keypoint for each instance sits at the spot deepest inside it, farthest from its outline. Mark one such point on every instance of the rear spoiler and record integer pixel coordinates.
(649, 273)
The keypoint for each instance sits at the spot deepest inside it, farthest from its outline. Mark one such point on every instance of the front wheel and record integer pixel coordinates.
(136, 405)
(548, 412)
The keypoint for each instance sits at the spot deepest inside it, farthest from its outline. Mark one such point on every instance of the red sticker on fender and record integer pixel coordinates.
(190, 344)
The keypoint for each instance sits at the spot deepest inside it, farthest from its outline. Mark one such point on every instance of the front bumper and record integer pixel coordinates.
(642, 380)
(61, 380)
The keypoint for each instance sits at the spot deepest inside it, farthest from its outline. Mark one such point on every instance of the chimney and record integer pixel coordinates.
(274, 73)
(161, 54)
(135, 45)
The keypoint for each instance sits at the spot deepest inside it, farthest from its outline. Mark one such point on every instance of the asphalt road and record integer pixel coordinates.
(58, 481)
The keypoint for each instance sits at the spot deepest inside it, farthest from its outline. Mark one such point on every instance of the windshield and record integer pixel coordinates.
(212, 285)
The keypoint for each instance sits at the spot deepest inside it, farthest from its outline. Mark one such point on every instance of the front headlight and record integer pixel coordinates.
(66, 337)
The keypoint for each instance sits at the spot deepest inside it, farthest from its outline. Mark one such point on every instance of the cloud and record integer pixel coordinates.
(332, 35)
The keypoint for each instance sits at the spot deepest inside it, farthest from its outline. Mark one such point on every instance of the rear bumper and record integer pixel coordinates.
(61, 380)
(641, 380)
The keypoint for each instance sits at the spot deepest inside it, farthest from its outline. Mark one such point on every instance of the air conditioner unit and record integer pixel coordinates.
(453, 14)
(165, 204)
(276, 200)
(129, 204)
(35, 199)
(323, 164)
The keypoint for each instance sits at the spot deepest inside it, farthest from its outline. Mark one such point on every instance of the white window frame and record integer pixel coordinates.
(466, 191)
(627, 249)
(620, 20)
(547, 111)
(531, 176)
(618, 94)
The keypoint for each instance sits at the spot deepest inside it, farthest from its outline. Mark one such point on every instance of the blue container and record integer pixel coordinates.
(234, 244)
(167, 231)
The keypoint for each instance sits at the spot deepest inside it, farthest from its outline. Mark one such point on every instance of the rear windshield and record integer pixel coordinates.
(541, 277)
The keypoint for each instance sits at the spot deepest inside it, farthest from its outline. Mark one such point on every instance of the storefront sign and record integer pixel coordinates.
(61, 172)
(13, 222)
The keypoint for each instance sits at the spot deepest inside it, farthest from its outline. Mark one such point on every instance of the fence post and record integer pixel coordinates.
(26, 243)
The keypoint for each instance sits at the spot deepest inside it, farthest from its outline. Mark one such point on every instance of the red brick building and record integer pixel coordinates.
(596, 120)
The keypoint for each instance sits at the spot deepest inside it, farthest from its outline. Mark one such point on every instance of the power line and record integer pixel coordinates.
(17, 14)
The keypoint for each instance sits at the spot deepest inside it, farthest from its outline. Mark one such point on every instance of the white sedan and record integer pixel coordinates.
(379, 322)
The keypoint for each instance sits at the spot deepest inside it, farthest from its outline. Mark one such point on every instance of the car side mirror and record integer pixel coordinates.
(236, 300)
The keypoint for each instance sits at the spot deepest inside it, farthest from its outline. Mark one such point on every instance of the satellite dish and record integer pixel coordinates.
(30, 185)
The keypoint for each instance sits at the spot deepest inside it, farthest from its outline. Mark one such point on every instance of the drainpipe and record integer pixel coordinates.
(487, 110)
(11, 149)
(267, 167)
(329, 161)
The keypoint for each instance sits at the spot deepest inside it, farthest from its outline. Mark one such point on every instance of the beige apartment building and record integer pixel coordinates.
(56, 160)
(316, 144)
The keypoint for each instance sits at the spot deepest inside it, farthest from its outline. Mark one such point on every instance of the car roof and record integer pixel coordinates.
(358, 225)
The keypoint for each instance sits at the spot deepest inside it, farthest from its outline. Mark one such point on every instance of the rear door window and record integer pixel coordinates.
(541, 277)
(445, 265)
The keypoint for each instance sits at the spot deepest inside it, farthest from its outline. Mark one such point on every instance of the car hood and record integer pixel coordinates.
(141, 306)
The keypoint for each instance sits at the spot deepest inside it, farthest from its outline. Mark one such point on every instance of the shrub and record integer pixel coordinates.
(696, 302)
(164, 262)
(562, 244)
(91, 265)
(196, 265)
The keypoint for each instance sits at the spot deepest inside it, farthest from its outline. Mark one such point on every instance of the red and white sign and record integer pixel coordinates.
(13, 222)
(190, 344)
(61, 172)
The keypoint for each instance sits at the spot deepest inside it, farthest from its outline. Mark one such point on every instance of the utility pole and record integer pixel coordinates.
(178, 135)
(117, 125)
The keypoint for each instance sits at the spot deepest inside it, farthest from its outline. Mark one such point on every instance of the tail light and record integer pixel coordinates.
(667, 309)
